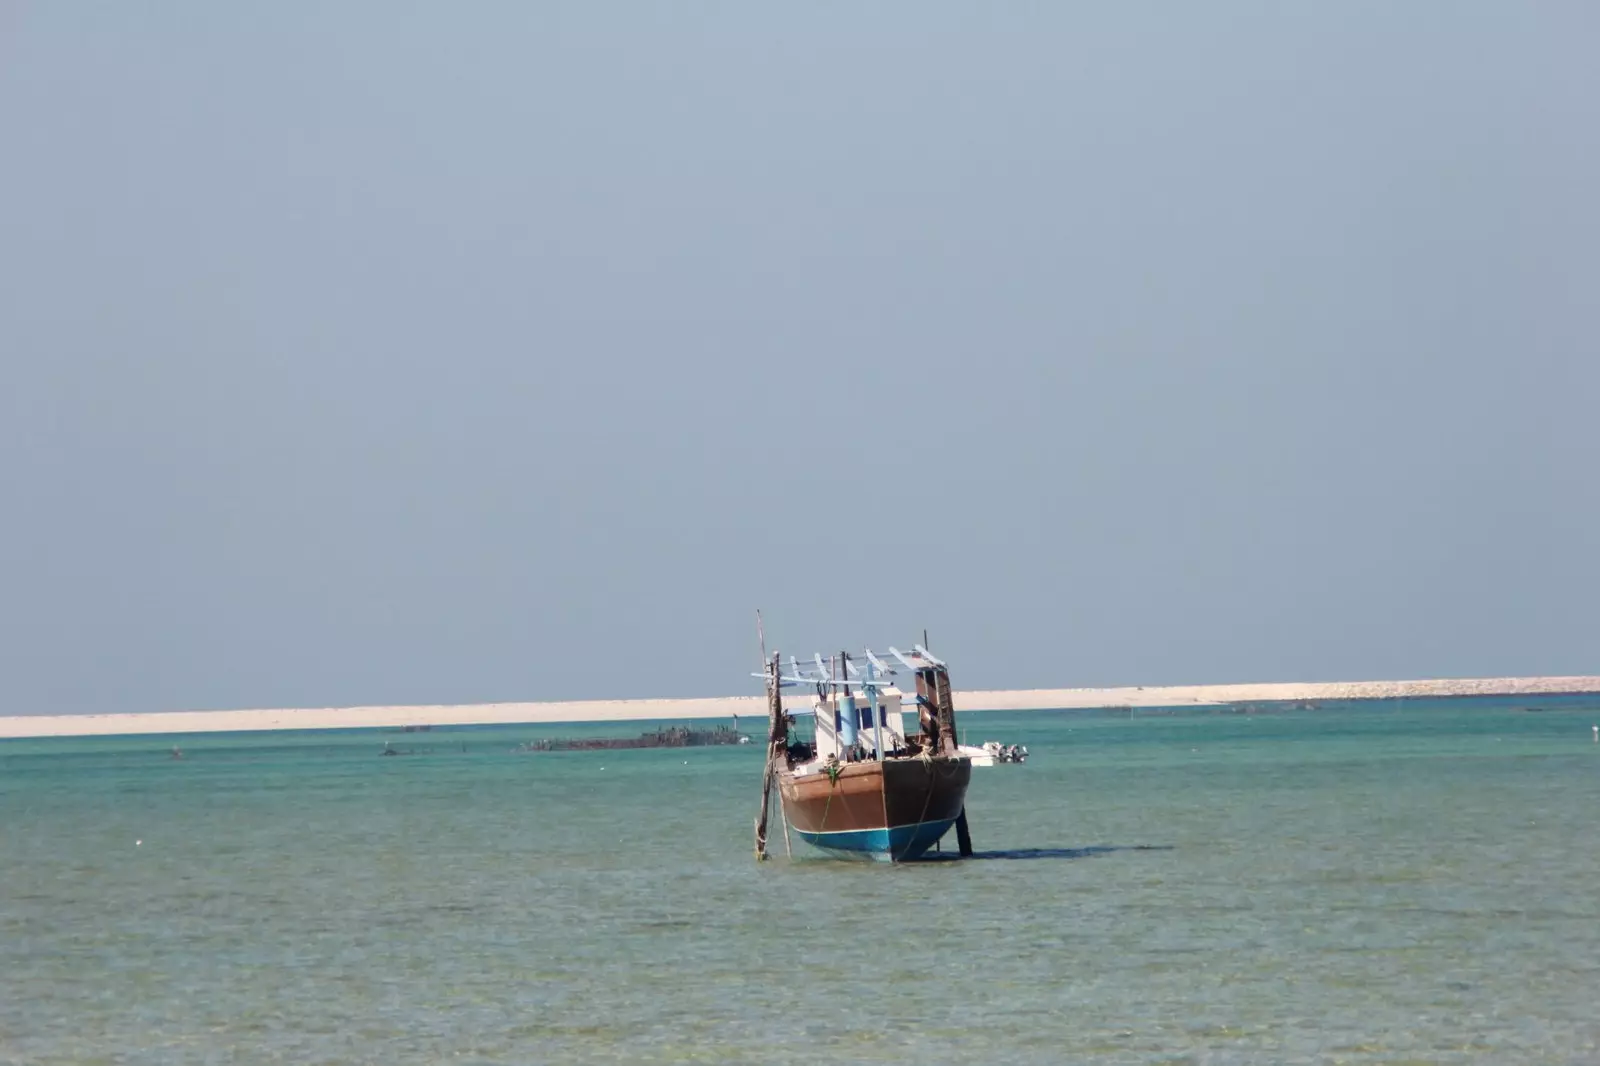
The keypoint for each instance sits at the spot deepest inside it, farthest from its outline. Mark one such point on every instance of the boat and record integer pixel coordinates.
(993, 752)
(979, 756)
(850, 780)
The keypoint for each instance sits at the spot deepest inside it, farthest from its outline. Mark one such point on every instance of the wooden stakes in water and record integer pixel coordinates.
(761, 819)
(788, 849)
(777, 742)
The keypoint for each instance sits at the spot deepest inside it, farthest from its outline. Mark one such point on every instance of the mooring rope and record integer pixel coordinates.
(833, 770)
(926, 802)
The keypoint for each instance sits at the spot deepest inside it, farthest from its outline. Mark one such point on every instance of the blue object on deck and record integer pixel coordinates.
(846, 719)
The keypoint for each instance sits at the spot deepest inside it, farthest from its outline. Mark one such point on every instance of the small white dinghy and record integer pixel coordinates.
(993, 752)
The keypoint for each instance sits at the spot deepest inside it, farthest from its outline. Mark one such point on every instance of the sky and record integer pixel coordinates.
(373, 353)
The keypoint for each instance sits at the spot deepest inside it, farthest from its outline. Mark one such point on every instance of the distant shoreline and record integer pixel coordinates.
(162, 722)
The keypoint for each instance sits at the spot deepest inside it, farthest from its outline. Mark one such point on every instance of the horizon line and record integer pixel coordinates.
(534, 712)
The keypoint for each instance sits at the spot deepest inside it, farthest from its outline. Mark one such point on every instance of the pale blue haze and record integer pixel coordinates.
(366, 353)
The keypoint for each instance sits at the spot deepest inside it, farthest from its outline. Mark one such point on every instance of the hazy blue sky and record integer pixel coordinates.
(368, 352)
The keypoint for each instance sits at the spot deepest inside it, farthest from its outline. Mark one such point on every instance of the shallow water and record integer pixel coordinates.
(1384, 883)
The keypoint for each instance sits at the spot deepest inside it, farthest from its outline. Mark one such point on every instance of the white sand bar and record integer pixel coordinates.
(63, 725)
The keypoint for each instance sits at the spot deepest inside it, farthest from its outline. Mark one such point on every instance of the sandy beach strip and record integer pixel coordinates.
(669, 710)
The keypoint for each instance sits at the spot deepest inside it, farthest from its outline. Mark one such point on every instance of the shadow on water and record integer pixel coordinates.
(1046, 853)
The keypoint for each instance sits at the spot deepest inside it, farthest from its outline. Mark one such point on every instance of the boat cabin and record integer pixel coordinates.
(847, 727)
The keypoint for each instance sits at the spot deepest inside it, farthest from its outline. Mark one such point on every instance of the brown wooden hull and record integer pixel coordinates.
(893, 810)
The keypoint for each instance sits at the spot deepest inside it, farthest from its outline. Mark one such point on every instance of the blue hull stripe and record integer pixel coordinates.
(900, 842)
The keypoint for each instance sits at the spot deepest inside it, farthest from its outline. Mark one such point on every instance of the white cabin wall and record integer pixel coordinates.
(894, 728)
(827, 735)
(826, 738)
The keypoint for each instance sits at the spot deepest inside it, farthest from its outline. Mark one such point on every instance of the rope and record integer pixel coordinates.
(833, 770)
(926, 801)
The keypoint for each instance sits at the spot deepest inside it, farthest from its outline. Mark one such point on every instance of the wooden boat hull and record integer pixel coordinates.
(890, 811)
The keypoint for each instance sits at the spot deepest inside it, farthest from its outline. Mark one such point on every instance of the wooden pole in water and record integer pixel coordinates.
(777, 743)
(963, 837)
(766, 807)
(766, 776)
(788, 849)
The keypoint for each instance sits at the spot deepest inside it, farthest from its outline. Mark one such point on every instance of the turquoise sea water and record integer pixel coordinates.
(1413, 882)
